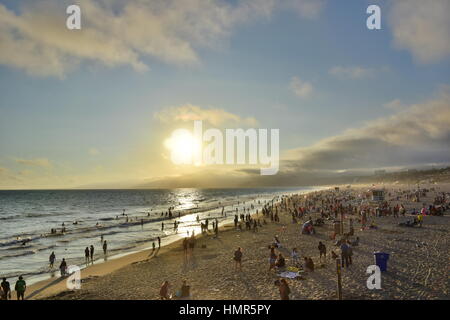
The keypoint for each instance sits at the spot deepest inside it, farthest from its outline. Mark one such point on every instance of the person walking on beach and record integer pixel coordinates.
(92, 254)
(63, 267)
(344, 255)
(322, 251)
(159, 242)
(6, 290)
(20, 288)
(86, 255)
(272, 258)
(52, 259)
(105, 247)
(153, 246)
(238, 259)
(349, 252)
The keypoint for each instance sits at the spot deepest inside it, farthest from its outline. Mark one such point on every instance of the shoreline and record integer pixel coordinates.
(53, 284)
(131, 236)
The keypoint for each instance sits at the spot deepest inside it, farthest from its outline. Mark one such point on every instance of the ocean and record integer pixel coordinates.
(26, 218)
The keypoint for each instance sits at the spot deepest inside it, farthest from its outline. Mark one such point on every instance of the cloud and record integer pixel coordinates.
(37, 162)
(422, 27)
(351, 72)
(417, 135)
(309, 9)
(215, 117)
(116, 33)
(300, 88)
(395, 104)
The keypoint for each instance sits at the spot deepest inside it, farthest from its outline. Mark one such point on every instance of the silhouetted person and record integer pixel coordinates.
(63, 267)
(105, 247)
(20, 288)
(86, 255)
(6, 289)
(92, 253)
(52, 259)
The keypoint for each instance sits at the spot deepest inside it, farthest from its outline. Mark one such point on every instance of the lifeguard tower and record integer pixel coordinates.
(377, 195)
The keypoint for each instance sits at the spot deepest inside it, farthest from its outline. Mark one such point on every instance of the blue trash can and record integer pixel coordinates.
(381, 259)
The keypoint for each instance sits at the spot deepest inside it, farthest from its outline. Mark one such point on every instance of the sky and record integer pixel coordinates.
(94, 107)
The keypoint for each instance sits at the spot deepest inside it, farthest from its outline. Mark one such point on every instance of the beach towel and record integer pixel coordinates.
(288, 274)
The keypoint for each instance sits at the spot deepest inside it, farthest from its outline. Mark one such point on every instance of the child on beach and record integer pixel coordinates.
(185, 291)
(164, 291)
(322, 251)
(238, 259)
(309, 264)
(284, 289)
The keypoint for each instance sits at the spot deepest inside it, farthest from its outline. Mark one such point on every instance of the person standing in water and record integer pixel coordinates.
(159, 242)
(92, 254)
(52, 259)
(20, 288)
(162, 226)
(105, 247)
(86, 255)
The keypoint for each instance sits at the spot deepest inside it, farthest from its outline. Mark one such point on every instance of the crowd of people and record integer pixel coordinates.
(333, 206)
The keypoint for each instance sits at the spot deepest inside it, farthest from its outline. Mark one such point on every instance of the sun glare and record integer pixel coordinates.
(183, 146)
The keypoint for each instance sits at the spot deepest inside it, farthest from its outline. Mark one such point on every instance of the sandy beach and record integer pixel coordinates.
(417, 268)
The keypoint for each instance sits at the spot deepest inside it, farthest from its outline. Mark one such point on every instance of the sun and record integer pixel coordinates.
(183, 147)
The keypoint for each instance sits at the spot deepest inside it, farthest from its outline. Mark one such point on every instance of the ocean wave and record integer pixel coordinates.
(17, 254)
